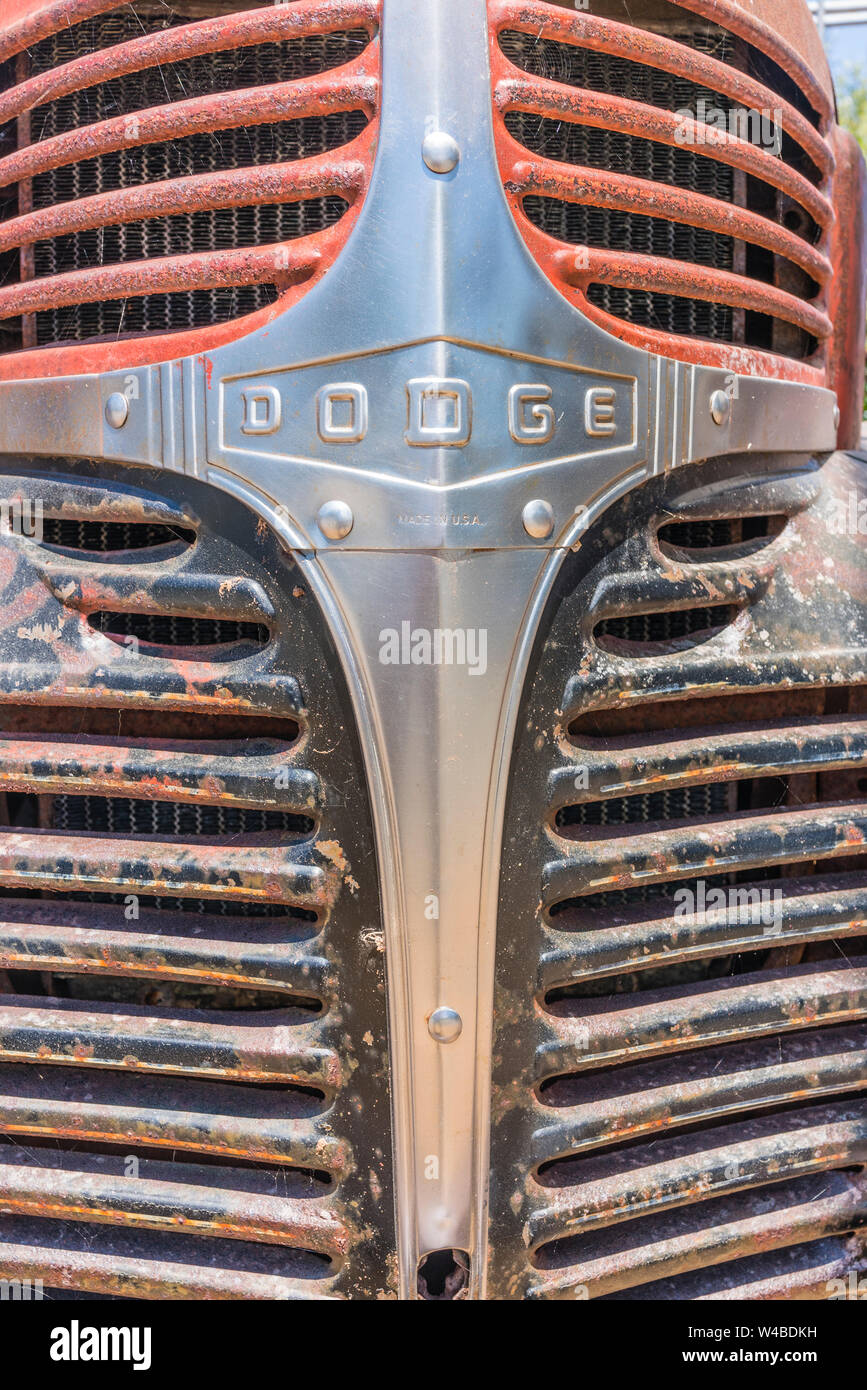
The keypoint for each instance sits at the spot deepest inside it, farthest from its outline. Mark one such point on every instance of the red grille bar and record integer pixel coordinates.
(290, 266)
(270, 25)
(576, 270)
(731, 15)
(558, 102)
(199, 271)
(661, 276)
(610, 190)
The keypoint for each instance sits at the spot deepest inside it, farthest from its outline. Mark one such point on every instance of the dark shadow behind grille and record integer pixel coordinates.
(665, 627)
(109, 536)
(606, 72)
(88, 815)
(252, 66)
(170, 630)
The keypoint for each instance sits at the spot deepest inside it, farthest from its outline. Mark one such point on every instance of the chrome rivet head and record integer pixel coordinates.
(335, 520)
(117, 410)
(445, 1025)
(837, 417)
(721, 407)
(441, 152)
(538, 519)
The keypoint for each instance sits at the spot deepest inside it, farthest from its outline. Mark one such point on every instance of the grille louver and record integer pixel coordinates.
(639, 206)
(191, 966)
(691, 914)
(138, 136)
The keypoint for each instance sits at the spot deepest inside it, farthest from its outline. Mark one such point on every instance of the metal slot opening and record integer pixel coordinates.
(150, 728)
(706, 712)
(720, 538)
(663, 633)
(111, 537)
(167, 994)
(164, 634)
(443, 1275)
(88, 815)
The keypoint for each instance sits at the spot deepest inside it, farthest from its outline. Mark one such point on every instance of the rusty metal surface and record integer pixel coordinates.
(584, 948)
(786, 31)
(627, 1016)
(805, 1215)
(250, 106)
(250, 1028)
(639, 45)
(613, 112)
(302, 18)
(159, 1202)
(614, 190)
(290, 264)
(659, 275)
(575, 271)
(849, 288)
(26, 22)
(292, 268)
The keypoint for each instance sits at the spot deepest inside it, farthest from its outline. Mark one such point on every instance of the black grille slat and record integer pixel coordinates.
(200, 956)
(678, 959)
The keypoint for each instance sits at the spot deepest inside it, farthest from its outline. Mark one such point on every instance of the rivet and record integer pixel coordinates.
(445, 1025)
(837, 417)
(117, 410)
(335, 520)
(538, 519)
(721, 407)
(441, 152)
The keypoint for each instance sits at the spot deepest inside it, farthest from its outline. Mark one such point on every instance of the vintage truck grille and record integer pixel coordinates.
(132, 138)
(194, 1097)
(681, 1014)
(669, 177)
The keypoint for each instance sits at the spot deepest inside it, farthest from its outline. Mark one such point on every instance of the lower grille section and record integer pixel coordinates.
(681, 1020)
(193, 1054)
